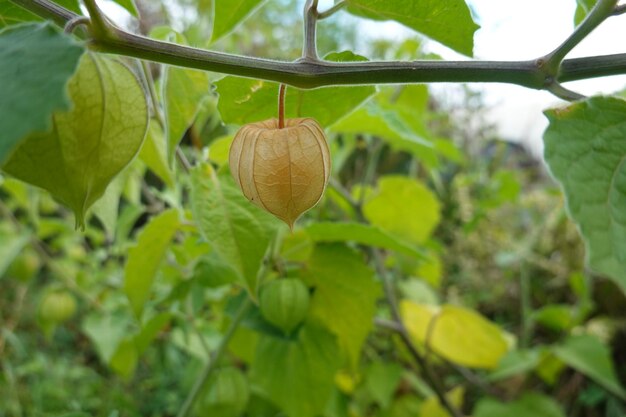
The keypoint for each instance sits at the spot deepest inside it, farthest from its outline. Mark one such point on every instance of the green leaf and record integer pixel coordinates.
(529, 405)
(145, 258)
(91, 143)
(298, 376)
(583, 7)
(228, 14)
(386, 124)
(106, 332)
(432, 406)
(381, 380)
(514, 363)
(457, 334)
(150, 330)
(362, 234)
(245, 100)
(589, 356)
(183, 91)
(239, 231)
(403, 207)
(12, 245)
(154, 154)
(37, 62)
(585, 150)
(12, 14)
(124, 360)
(345, 295)
(107, 207)
(447, 21)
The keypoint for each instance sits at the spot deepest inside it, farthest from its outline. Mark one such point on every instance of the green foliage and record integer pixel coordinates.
(177, 277)
(529, 405)
(26, 103)
(585, 150)
(449, 21)
(228, 14)
(237, 230)
(297, 375)
(76, 161)
(247, 100)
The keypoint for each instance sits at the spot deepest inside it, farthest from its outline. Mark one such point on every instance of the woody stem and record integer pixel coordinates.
(281, 106)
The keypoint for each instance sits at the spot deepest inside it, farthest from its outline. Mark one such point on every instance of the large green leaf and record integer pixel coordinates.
(529, 405)
(298, 376)
(447, 21)
(238, 230)
(345, 295)
(91, 143)
(245, 100)
(589, 356)
(456, 333)
(360, 233)
(37, 62)
(585, 148)
(12, 14)
(145, 258)
(403, 207)
(230, 13)
(183, 90)
(154, 154)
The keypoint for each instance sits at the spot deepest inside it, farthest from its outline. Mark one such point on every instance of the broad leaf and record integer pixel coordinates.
(456, 333)
(183, 90)
(362, 234)
(228, 14)
(145, 258)
(382, 379)
(106, 331)
(37, 62)
(154, 154)
(447, 21)
(298, 376)
(345, 295)
(589, 356)
(585, 148)
(583, 7)
(91, 143)
(239, 231)
(529, 405)
(12, 14)
(514, 363)
(403, 207)
(245, 100)
(12, 245)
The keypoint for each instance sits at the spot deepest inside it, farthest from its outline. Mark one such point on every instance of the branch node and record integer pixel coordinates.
(76, 21)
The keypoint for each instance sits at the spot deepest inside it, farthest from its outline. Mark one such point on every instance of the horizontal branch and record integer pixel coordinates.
(312, 74)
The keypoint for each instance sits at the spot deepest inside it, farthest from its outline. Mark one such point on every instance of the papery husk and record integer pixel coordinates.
(284, 171)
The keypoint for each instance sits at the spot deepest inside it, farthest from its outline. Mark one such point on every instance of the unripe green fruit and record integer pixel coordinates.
(225, 394)
(57, 307)
(285, 303)
(25, 266)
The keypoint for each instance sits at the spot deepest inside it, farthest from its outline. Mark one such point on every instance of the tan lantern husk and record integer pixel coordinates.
(284, 171)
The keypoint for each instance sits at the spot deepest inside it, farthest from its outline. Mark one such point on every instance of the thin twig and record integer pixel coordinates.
(309, 46)
(332, 10)
(564, 93)
(211, 364)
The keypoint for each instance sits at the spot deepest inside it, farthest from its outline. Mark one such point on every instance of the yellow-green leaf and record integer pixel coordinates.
(145, 258)
(456, 333)
(90, 144)
(403, 207)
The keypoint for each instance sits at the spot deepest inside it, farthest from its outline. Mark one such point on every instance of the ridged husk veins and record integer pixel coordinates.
(284, 171)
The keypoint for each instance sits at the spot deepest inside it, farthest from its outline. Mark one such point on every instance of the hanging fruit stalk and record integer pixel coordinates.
(281, 165)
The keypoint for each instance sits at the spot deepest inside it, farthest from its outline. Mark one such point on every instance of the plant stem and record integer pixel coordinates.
(308, 74)
(429, 374)
(309, 46)
(602, 10)
(211, 364)
(281, 106)
(331, 11)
